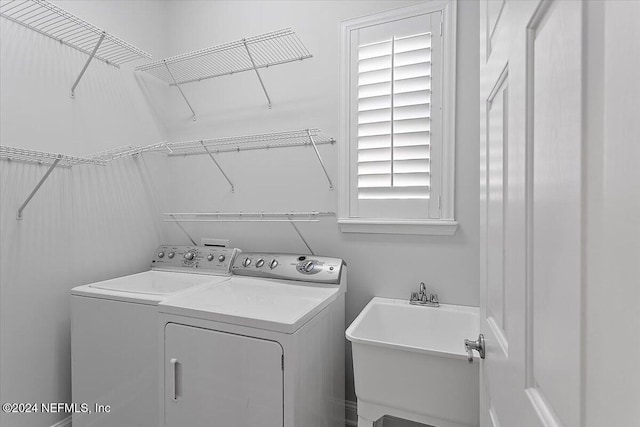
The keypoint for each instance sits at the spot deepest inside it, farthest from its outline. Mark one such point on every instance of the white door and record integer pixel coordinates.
(531, 120)
(219, 379)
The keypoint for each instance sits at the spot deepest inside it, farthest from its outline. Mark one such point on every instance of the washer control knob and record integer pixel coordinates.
(221, 258)
(161, 254)
(171, 254)
(273, 264)
(308, 266)
(260, 263)
(246, 262)
(210, 257)
(189, 255)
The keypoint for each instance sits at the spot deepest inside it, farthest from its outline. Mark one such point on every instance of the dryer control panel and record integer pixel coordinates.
(194, 259)
(308, 268)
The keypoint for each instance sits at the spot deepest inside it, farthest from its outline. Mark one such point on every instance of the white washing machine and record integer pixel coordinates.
(114, 340)
(263, 349)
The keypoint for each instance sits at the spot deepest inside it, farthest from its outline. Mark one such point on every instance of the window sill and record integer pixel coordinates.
(434, 227)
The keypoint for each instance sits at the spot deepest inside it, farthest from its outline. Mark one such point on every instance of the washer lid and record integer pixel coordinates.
(148, 287)
(258, 303)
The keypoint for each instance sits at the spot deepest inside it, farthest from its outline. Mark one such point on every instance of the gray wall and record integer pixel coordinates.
(92, 223)
(304, 95)
(87, 223)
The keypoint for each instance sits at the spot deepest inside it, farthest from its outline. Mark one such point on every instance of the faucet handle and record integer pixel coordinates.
(414, 296)
(433, 298)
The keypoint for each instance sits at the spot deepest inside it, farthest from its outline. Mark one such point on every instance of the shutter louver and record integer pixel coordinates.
(394, 118)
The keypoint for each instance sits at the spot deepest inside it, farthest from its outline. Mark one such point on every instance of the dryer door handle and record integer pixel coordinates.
(173, 378)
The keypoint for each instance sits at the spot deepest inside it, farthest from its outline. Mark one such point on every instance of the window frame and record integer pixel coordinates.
(446, 224)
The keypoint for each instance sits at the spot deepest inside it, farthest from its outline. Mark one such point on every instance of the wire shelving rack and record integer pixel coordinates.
(301, 137)
(252, 53)
(128, 151)
(43, 158)
(52, 21)
(291, 217)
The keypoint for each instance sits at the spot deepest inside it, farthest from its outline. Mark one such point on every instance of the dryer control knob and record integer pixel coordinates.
(260, 263)
(246, 262)
(221, 258)
(273, 264)
(171, 254)
(189, 255)
(210, 257)
(160, 254)
(308, 266)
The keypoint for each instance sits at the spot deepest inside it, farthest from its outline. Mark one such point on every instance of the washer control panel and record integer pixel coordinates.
(309, 268)
(194, 259)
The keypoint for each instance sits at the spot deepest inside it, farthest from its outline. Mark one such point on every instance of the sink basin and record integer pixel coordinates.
(409, 362)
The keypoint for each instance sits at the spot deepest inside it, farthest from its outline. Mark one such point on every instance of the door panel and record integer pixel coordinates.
(220, 379)
(531, 171)
(556, 211)
(497, 141)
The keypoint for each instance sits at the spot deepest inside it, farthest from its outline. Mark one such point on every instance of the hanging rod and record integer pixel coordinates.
(290, 217)
(252, 53)
(54, 22)
(43, 158)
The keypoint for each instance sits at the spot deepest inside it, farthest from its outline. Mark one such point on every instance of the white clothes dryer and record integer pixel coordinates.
(263, 349)
(114, 341)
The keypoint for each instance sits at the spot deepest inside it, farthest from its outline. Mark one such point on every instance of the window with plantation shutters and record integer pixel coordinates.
(397, 121)
(394, 118)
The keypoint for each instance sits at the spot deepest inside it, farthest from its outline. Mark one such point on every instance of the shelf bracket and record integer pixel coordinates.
(315, 148)
(218, 165)
(257, 72)
(293, 224)
(183, 230)
(35, 190)
(180, 89)
(86, 65)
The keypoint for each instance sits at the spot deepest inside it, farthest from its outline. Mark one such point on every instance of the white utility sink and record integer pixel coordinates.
(410, 362)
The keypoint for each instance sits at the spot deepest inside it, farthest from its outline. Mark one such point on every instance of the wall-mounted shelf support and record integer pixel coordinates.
(213, 159)
(42, 158)
(194, 118)
(315, 148)
(86, 65)
(183, 230)
(255, 68)
(38, 185)
(295, 227)
(290, 217)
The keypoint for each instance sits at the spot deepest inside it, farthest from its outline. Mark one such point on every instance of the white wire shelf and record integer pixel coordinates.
(301, 137)
(253, 53)
(310, 216)
(52, 21)
(40, 157)
(249, 142)
(44, 158)
(291, 217)
(128, 151)
(265, 50)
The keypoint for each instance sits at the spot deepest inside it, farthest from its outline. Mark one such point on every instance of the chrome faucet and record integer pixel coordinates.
(421, 297)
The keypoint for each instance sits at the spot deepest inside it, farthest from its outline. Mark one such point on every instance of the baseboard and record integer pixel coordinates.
(63, 423)
(351, 413)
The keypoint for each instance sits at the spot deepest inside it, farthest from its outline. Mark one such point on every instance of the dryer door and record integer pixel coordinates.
(219, 379)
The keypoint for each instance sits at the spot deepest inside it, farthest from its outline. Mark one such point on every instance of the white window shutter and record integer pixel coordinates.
(394, 118)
